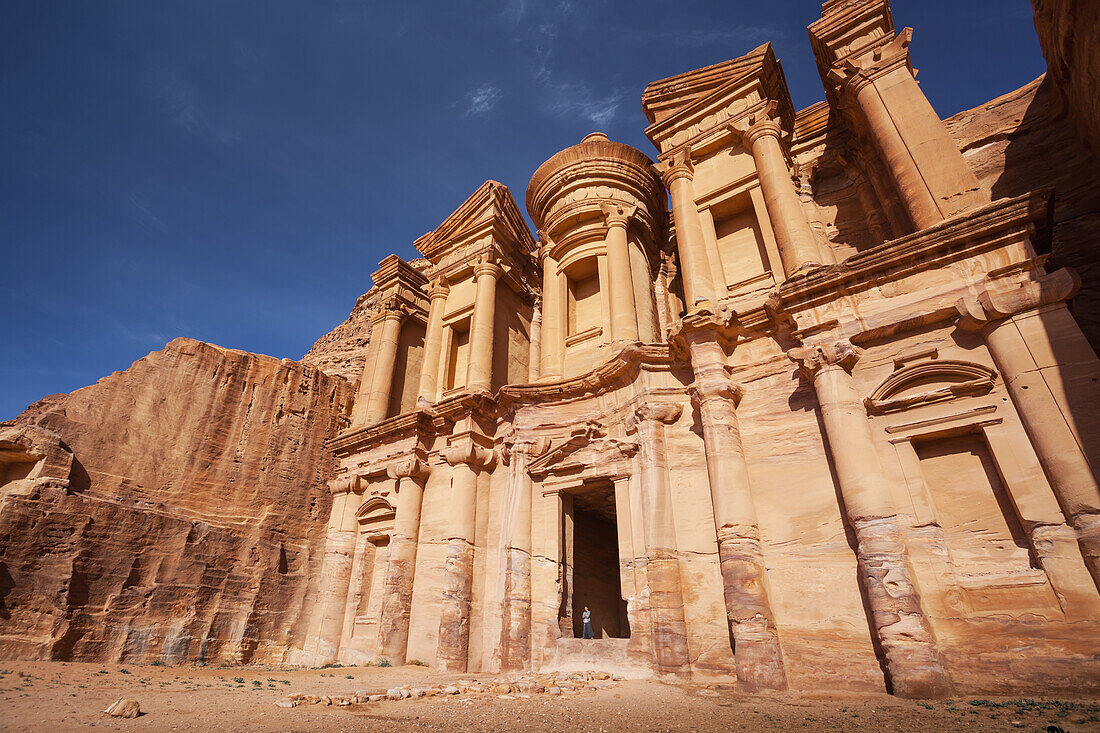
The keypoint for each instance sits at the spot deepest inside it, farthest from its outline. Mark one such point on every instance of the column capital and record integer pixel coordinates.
(390, 309)
(676, 166)
(756, 125)
(850, 75)
(990, 306)
(814, 359)
(409, 467)
(346, 483)
(487, 268)
(465, 450)
(438, 289)
(715, 387)
(649, 412)
(617, 215)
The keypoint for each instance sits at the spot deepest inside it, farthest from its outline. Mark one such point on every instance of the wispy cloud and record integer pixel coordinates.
(185, 106)
(580, 101)
(481, 100)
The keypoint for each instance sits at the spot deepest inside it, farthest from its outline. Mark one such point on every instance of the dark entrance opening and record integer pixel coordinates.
(592, 564)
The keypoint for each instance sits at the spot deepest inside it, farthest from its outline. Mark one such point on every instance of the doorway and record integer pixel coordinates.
(591, 564)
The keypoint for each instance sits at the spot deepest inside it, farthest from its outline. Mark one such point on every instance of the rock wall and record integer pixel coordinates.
(1024, 141)
(1069, 32)
(176, 510)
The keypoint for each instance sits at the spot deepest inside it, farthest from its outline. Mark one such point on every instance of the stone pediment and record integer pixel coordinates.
(490, 210)
(586, 449)
(929, 382)
(746, 84)
(665, 97)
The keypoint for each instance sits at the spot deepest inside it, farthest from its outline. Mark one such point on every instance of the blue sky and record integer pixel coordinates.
(233, 171)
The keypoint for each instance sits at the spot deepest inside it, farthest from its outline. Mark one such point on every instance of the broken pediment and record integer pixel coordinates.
(928, 382)
(490, 210)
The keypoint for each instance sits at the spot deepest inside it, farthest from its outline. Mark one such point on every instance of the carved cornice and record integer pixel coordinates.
(991, 306)
(466, 448)
(665, 413)
(345, 483)
(414, 467)
(419, 423)
(607, 376)
(814, 359)
(954, 239)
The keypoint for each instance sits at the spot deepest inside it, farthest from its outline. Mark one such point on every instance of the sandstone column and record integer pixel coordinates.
(624, 313)
(1051, 373)
(931, 175)
(516, 644)
(393, 624)
(479, 374)
(453, 648)
(433, 343)
(756, 648)
(913, 663)
(666, 600)
(796, 241)
(553, 327)
(534, 362)
(389, 332)
(335, 578)
(677, 173)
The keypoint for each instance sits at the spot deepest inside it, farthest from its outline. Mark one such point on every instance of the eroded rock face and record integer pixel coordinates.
(173, 511)
(1069, 32)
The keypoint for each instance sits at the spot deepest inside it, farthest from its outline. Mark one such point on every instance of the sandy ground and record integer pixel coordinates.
(60, 696)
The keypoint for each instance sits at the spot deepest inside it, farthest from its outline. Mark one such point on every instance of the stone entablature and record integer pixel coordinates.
(757, 449)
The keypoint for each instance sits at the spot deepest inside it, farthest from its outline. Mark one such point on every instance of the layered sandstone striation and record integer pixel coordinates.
(1069, 33)
(172, 511)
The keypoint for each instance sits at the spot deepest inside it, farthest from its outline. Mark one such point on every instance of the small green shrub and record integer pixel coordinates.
(239, 680)
(257, 683)
(124, 671)
(417, 663)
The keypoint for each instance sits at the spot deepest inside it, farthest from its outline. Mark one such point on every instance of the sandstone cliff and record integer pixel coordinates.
(1069, 32)
(176, 510)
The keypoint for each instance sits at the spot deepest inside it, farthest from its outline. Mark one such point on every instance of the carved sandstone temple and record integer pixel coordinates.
(796, 403)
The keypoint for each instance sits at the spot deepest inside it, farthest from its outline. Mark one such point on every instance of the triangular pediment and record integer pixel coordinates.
(490, 209)
(665, 97)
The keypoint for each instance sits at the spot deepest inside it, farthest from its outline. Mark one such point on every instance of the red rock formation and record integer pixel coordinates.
(1069, 32)
(173, 511)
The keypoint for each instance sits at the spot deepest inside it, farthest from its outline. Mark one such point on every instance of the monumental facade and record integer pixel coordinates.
(807, 400)
(795, 402)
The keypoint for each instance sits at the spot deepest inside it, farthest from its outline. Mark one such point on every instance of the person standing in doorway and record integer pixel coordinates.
(587, 618)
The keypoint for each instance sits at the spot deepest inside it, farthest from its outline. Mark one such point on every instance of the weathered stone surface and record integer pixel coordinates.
(182, 512)
(1069, 33)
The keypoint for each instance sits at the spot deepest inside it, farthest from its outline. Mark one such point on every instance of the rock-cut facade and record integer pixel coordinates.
(799, 401)
(804, 440)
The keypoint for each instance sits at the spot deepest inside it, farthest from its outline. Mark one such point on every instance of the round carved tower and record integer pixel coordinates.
(600, 212)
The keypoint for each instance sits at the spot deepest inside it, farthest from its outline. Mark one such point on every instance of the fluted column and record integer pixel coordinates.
(1052, 374)
(913, 662)
(934, 180)
(479, 374)
(467, 460)
(389, 333)
(624, 313)
(677, 173)
(553, 315)
(433, 343)
(666, 600)
(796, 240)
(758, 656)
(393, 625)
